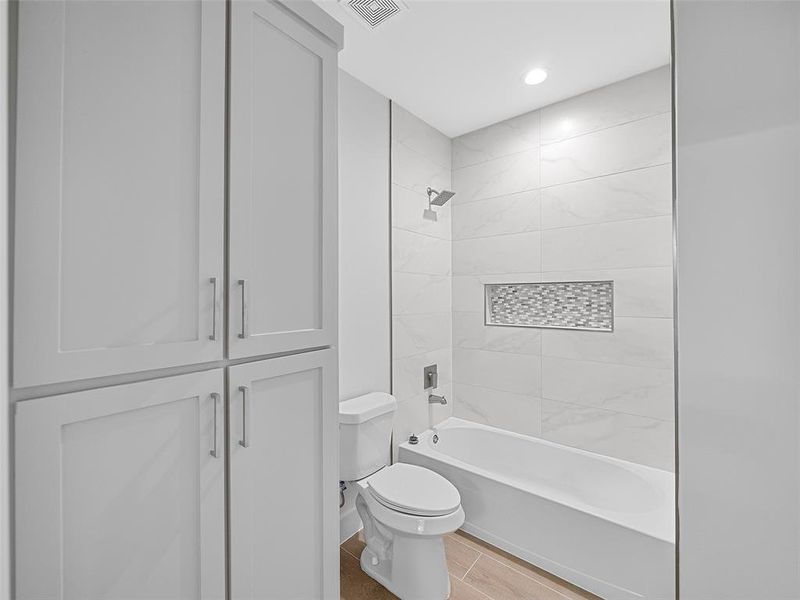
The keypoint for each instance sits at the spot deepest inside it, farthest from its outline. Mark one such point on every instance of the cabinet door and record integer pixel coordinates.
(118, 494)
(283, 182)
(284, 515)
(119, 187)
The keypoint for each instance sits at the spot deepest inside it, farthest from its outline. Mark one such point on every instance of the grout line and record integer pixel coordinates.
(549, 142)
(480, 312)
(475, 562)
(542, 229)
(562, 183)
(346, 551)
(544, 272)
(476, 590)
(527, 576)
(423, 155)
(606, 128)
(428, 235)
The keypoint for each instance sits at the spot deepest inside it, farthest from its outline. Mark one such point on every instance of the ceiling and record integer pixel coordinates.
(459, 64)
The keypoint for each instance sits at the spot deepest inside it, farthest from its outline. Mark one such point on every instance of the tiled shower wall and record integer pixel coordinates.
(421, 281)
(579, 190)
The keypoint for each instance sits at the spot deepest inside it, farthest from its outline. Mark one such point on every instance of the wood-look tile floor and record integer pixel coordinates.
(478, 571)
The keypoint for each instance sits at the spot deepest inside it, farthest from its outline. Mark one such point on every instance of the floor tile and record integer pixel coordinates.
(478, 571)
(459, 556)
(463, 591)
(563, 587)
(357, 585)
(501, 582)
(355, 544)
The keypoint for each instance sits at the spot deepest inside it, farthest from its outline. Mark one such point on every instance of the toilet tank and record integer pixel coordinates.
(365, 434)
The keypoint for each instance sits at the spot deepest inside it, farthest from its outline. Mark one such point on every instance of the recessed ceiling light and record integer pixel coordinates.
(535, 76)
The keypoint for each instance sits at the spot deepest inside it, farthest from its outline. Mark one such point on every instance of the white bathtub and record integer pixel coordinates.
(604, 524)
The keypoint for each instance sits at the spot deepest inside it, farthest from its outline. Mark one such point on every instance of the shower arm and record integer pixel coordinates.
(431, 192)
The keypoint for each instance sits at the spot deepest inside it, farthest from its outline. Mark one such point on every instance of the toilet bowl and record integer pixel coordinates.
(406, 510)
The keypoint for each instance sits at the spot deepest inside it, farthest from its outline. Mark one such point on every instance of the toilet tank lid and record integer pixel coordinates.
(366, 407)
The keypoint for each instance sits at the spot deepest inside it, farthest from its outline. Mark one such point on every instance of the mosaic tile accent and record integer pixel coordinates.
(558, 305)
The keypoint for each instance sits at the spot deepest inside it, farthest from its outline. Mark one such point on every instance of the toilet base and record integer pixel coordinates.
(416, 571)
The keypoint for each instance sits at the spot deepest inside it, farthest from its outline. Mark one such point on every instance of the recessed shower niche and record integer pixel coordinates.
(585, 305)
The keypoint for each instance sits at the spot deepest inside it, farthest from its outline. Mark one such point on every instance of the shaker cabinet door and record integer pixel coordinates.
(283, 182)
(119, 204)
(284, 516)
(120, 492)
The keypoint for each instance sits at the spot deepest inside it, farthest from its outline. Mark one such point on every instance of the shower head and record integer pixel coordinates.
(439, 198)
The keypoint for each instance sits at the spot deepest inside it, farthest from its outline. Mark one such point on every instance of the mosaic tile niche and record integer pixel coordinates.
(584, 305)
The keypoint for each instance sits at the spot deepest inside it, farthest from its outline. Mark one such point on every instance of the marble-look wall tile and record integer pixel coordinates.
(468, 291)
(417, 253)
(635, 145)
(517, 373)
(639, 292)
(517, 213)
(506, 410)
(416, 171)
(415, 415)
(408, 372)
(628, 100)
(416, 334)
(517, 253)
(642, 391)
(417, 293)
(416, 134)
(470, 332)
(619, 245)
(410, 212)
(634, 341)
(618, 197)
(421, 266)
(629, 437)
(501, 139)
(497, 177)
(600, 191)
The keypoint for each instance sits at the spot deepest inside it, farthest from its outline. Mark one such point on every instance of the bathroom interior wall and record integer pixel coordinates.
(738, 259)
(364, 284)
(421, 282)
(364, 296)
(579, 190)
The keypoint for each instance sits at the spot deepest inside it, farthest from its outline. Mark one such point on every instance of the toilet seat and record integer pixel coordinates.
(414, 490)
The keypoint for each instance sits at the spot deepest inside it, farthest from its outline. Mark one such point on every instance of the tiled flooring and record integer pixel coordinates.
(478, 571)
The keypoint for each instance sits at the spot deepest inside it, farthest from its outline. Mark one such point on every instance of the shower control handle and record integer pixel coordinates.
(245, 441)
(243, 285)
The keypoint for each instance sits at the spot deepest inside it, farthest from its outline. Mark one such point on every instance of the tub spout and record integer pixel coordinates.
(434, 399)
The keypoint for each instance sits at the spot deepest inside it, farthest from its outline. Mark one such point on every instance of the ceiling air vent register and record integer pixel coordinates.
(374, 13)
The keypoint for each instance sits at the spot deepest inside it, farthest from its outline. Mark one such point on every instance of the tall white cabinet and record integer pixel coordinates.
(174, 300)
(282, 182)
(284, 478)
(119, 187)
(120, 492)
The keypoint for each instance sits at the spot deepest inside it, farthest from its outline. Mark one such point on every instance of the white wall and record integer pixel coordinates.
(364, 273)
(738, 248)
(579, 190)
(421, 308)
(364, 302)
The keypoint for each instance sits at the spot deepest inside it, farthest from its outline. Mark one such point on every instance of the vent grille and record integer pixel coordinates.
(373, 13)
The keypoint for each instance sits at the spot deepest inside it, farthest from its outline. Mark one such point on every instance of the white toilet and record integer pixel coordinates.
(406, 509)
